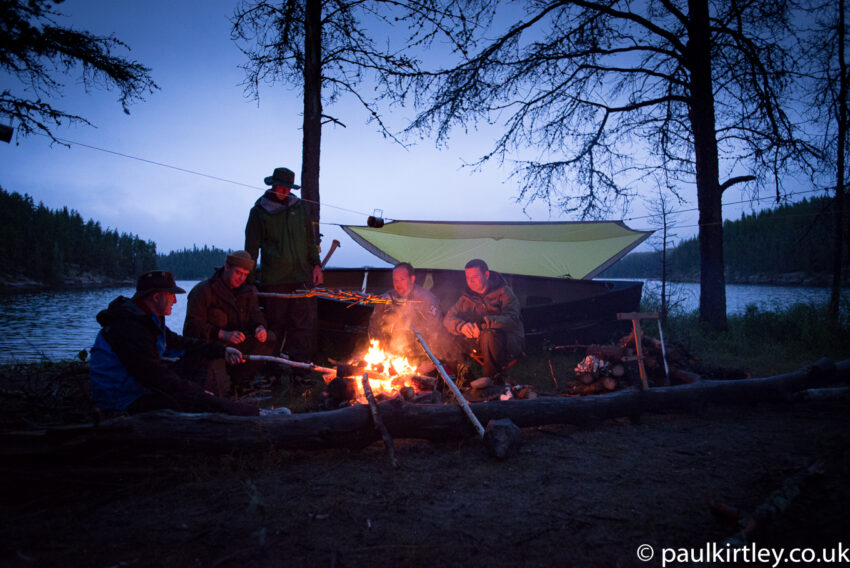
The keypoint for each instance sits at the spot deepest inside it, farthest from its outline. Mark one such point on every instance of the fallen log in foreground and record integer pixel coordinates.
(353, 427)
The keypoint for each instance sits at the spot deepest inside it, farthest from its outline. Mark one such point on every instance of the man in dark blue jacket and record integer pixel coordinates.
(130, 368)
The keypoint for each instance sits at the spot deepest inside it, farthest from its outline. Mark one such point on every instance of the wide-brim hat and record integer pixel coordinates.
(284, 177)
(157, 281)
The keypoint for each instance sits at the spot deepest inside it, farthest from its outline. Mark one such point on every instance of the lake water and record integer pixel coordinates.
(57, 325)
(739, 296)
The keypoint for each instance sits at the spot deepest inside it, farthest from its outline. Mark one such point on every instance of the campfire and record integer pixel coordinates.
(390, 375)
(387, 373)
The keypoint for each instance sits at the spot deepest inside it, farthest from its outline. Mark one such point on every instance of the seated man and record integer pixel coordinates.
(487, 317)
(413, 306)
(129, 369)
(225, 309)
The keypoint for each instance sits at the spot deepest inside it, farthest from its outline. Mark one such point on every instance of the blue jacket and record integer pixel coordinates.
(126, 360)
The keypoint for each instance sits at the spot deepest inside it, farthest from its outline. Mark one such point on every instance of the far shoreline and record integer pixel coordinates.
(8, 288)
(789, 280)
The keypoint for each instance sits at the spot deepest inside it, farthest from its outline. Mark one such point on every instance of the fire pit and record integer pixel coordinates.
(390, 376)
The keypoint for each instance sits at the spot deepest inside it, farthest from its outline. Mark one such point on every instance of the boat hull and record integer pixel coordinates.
(554, 310)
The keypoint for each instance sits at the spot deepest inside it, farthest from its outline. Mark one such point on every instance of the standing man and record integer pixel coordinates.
(487, 317)
(279, 228)
(130, 368)
(225, 309)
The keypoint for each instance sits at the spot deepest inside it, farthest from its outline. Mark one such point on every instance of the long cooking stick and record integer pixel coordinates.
(460, 400)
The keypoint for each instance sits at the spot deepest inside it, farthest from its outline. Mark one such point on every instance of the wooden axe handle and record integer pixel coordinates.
(334, 246)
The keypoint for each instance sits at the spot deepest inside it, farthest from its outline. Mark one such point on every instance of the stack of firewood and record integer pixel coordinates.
(602, 369)
(609, 367)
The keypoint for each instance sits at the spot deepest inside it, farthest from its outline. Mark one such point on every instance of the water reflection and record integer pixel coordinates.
(54, 326)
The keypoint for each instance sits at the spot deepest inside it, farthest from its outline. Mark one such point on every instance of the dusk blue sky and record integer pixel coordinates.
(200, 120)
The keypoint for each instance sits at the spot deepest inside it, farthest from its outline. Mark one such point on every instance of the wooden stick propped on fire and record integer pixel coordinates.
(460, 400)
(376, 420)
(336, 371)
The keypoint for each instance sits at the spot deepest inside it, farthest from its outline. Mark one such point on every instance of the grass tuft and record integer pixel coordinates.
(766, 342)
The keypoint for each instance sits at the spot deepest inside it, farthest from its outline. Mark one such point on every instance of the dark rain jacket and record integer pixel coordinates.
(283, 232)
(213, 306)
(497, 308)
(126, 360)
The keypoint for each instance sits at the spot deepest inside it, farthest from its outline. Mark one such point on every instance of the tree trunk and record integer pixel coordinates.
(839, 241)
(312, 111)
(353, 427)
(663, 313)
(712, 301)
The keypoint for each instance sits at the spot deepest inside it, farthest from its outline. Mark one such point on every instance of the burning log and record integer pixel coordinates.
(425, 383)
(352, 426)
(389, 376)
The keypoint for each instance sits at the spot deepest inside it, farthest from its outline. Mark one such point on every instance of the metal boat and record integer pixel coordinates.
(554, 310)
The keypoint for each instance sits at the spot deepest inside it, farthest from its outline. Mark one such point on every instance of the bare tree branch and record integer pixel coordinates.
(35, 51)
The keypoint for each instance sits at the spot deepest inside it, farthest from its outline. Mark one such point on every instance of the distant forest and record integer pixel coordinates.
(192, 264)
(50, 245)
(759, 247)
(56, 247)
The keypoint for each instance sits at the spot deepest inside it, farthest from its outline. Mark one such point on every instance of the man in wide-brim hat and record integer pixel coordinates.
(225, 309)
(279, 235)
(130, 368)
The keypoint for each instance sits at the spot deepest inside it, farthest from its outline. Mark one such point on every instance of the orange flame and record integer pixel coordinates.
(387, 373)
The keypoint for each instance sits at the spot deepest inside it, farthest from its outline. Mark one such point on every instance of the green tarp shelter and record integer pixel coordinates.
(579, 250)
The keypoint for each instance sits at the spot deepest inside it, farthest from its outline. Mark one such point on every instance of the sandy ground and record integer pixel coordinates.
(571, 497)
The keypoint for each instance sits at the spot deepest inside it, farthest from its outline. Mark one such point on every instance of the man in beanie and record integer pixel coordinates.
(130, 362)
(279, 230)
(225, 309)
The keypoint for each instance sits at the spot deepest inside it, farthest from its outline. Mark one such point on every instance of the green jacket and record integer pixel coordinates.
(497, 308)
(283, 232)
